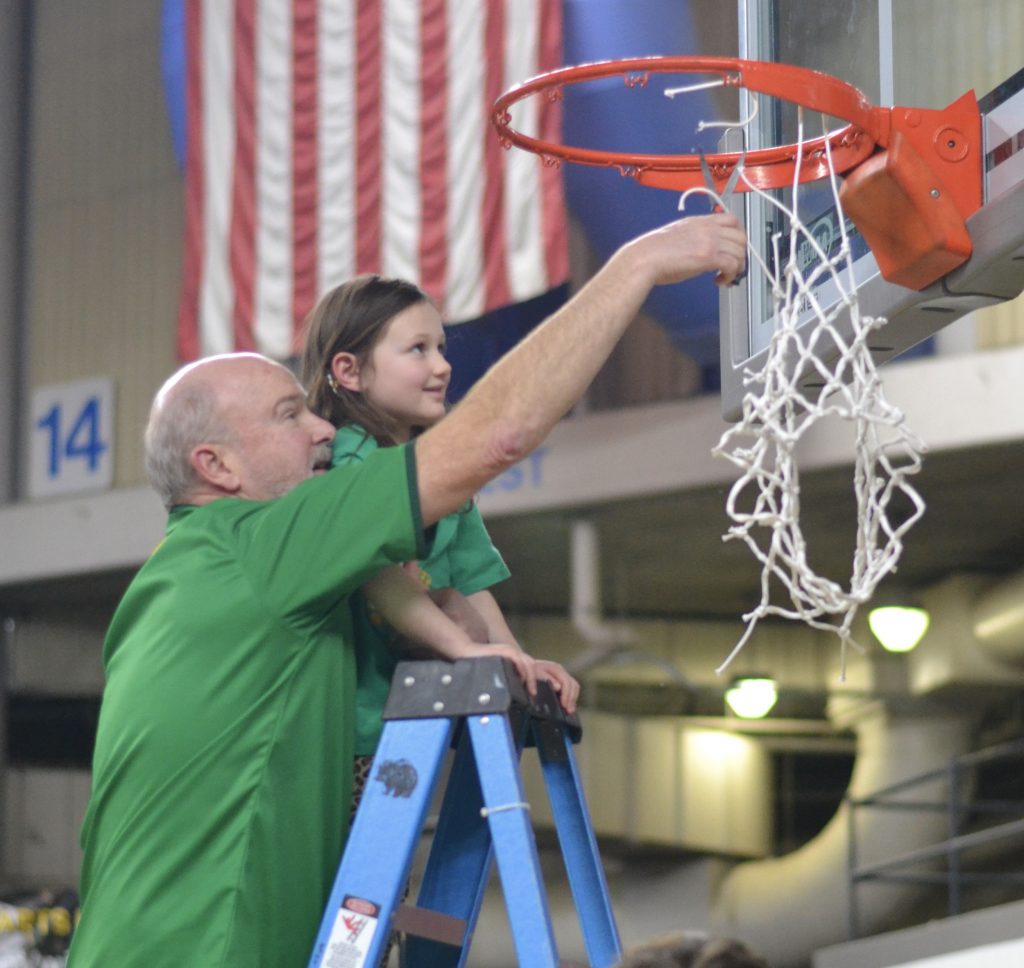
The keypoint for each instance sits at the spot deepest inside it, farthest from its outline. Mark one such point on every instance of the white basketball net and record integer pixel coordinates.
(764, 503)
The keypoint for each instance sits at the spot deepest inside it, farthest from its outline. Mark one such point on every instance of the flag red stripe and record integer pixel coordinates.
(192, 260)
(433, 254)
(222, 285)
(305, 194)
(242, 238)
(496, 285)
(368, 135)
(556, 254)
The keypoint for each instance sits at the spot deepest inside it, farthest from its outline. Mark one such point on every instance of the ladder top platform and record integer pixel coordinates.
(434, 688)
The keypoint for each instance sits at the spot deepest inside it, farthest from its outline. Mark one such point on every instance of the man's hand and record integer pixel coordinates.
(690, 247)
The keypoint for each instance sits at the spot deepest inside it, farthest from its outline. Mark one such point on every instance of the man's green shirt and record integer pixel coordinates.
(223, 764)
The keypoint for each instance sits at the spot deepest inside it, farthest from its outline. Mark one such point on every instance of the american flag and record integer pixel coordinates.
(331, 137)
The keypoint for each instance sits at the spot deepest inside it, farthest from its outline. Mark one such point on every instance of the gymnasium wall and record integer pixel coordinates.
(104, 210)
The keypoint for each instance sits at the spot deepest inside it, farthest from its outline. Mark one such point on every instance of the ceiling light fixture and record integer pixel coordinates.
(751, 696)
(897, 627)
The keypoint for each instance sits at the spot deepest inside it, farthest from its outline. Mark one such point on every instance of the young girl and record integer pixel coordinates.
(374, 366)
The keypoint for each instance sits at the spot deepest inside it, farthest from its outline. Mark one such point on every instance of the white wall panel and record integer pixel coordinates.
(658, 781)
(44, 810)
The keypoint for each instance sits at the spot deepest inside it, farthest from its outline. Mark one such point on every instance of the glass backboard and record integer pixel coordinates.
(919, 53)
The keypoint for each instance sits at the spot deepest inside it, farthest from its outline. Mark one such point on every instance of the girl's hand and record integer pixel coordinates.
(525, 665)
(562, 682)
(530, 670)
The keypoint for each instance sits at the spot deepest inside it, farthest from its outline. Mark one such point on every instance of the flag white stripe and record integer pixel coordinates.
(336, 67)
(215, 298)
(467, 134)
(400, 156)
(527, 271)
(465, 287)
(272, 296)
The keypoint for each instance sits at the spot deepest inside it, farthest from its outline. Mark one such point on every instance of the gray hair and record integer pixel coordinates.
(181, 417)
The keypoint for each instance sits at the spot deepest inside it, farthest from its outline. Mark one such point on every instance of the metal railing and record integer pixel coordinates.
(960, 808)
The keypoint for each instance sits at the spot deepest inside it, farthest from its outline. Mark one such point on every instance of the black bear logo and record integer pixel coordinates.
(398, 776)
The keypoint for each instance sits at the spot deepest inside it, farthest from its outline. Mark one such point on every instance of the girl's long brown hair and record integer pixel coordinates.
(352, 318)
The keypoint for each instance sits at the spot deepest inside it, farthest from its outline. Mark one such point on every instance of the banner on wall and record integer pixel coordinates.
(325, 138)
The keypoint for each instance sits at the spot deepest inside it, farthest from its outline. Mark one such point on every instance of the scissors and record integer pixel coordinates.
(727, 190)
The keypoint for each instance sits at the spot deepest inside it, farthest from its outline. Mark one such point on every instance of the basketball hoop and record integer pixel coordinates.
(923, 169)
(924, 172)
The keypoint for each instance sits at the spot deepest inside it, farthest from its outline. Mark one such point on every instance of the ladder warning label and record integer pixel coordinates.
(352, 934)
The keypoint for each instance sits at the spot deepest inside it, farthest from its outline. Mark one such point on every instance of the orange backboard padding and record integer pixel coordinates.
(910, 199)
(910, 218)
(948, 142)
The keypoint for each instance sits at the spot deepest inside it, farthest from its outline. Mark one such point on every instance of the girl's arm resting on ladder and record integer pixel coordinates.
(405, 605)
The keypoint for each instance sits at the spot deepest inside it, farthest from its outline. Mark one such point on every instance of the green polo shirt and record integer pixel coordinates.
(462, 557)
(223, 763)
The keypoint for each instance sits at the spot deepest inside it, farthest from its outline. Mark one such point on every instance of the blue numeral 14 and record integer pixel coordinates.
(83, 440)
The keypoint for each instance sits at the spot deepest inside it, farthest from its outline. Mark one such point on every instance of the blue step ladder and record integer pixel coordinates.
(480, 706)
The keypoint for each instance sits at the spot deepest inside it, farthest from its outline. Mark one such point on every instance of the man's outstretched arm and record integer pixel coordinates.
(514, 406)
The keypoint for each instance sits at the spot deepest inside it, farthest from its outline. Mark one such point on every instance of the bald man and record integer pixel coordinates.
(223, 759)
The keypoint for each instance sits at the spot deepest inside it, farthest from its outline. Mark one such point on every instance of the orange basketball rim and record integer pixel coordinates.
(912, 176)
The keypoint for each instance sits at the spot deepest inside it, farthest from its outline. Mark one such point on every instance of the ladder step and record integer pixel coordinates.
(432, 925)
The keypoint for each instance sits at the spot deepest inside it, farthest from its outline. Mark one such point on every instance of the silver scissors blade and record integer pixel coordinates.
(727, 190)
(734, 176)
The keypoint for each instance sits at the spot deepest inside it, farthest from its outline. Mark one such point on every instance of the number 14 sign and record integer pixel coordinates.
(71, 448)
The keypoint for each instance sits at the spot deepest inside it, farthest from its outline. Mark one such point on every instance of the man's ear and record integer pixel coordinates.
(215, 469)
(345, 370)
